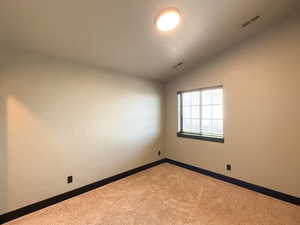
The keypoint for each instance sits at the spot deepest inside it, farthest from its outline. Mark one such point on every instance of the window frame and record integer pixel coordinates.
(182, 134)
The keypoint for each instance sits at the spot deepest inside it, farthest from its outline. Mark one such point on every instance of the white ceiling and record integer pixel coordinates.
(120, 35)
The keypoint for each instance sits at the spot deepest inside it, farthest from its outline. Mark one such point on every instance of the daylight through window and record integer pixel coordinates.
(200, 114)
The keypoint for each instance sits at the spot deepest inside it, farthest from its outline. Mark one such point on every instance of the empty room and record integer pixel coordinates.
(150, 112)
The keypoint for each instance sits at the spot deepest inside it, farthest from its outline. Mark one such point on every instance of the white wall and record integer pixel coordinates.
(261, 79)
(63, 119)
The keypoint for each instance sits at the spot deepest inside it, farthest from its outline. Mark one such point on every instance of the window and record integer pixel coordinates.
(200, 114)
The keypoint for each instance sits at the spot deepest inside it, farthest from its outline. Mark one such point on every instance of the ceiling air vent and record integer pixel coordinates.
(250, 21)
(177, 65)
(255, 18)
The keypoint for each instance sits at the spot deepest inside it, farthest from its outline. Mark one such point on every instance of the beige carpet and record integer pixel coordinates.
(167, 195)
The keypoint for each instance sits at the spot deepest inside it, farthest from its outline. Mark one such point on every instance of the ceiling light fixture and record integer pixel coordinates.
(167, 19)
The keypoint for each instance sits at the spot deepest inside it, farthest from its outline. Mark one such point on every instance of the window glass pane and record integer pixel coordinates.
(187, 112)
(206, 97)
(187, 125)
(217, 111)
(195, 112)
(196, 126)
(195, 98)
(206, 112)
(187, 98)
(217, 127)
(217, 96)
(202, 112)
(205, 126)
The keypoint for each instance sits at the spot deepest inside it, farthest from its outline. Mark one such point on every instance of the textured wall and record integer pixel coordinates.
(63, 119)
(261, 80)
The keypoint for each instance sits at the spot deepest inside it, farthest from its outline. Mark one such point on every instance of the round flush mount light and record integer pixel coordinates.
(168, 19)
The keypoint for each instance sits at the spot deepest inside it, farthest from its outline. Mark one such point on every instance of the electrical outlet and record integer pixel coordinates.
(158, 153)
(228, 167)
(70, 179)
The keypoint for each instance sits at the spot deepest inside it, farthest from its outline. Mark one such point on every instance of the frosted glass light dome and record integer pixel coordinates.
(168, 19)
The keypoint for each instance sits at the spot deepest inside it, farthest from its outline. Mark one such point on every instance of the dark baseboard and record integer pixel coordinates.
(252, 187)
(51, 201)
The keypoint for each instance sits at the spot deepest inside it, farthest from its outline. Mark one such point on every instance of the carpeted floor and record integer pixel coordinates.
(167, 195)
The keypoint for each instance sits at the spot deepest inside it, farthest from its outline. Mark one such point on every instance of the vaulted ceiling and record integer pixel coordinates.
(120, 35)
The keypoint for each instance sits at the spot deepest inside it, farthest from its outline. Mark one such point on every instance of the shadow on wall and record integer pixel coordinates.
(3, 147)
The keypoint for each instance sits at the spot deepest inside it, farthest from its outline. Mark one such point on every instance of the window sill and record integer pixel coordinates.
(199, 137)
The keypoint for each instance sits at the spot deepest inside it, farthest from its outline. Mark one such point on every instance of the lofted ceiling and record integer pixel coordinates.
(119, 35)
